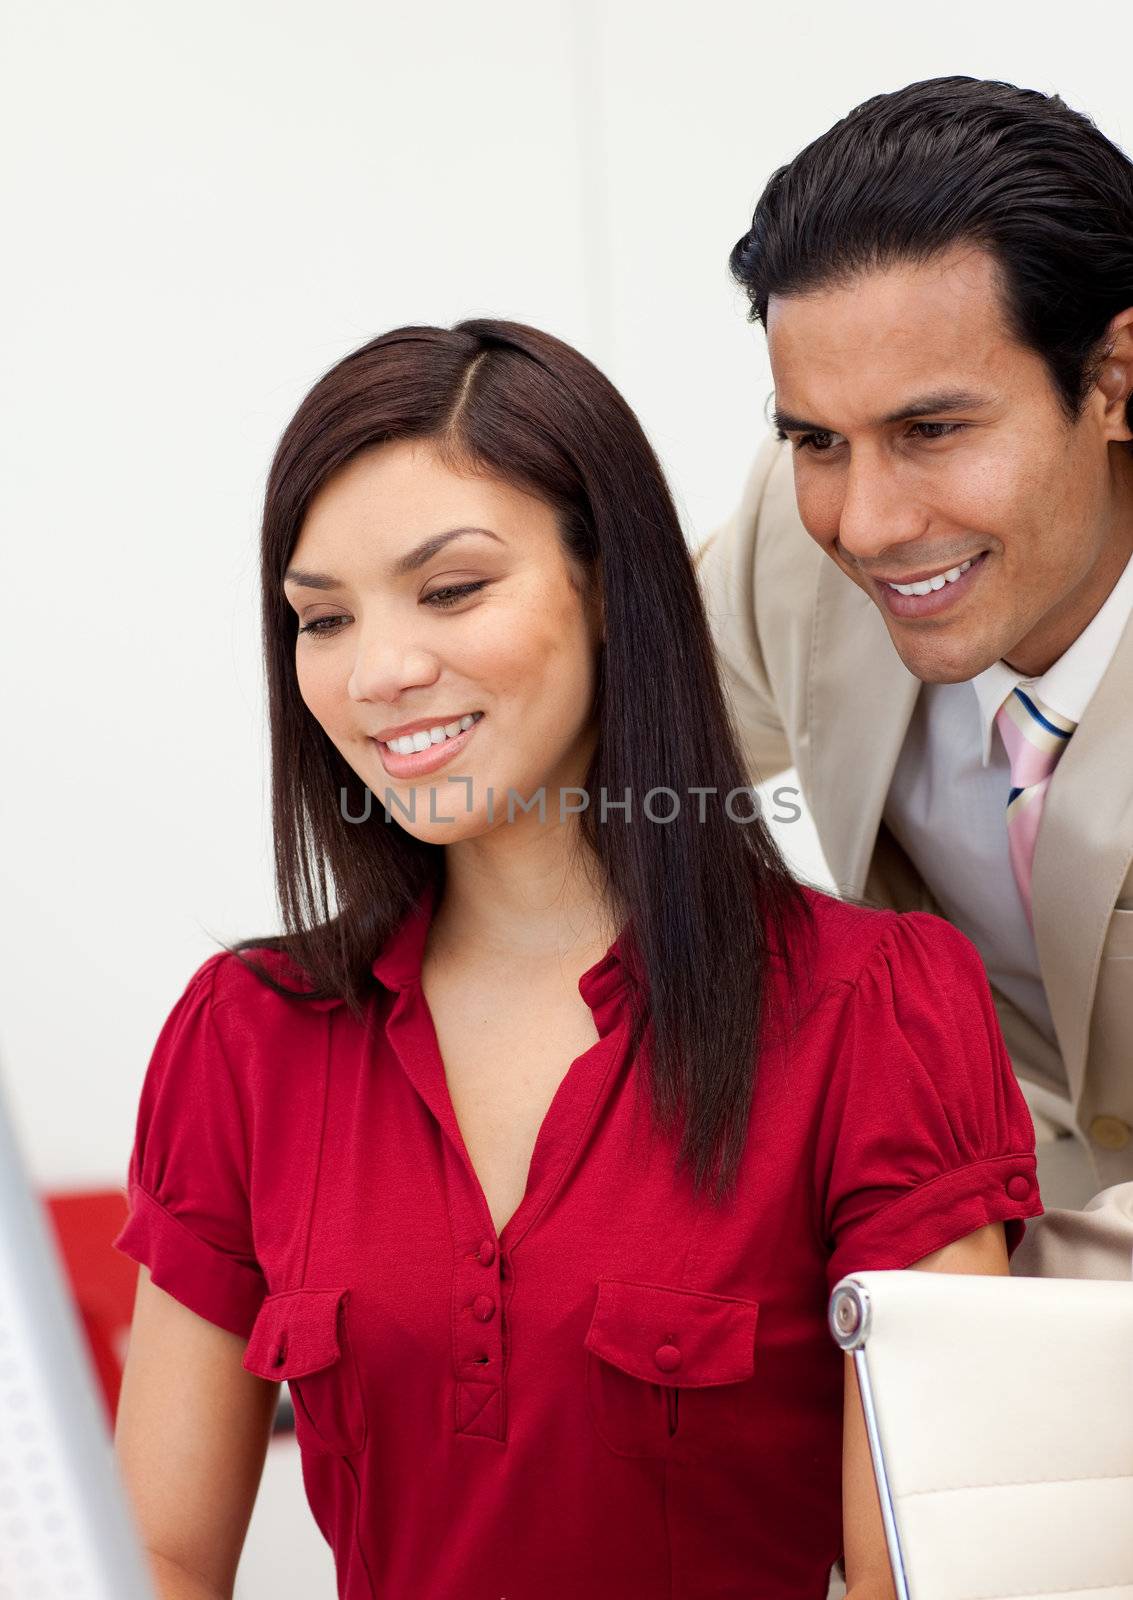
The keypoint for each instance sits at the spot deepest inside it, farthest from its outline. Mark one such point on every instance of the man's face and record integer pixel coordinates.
(929, 446)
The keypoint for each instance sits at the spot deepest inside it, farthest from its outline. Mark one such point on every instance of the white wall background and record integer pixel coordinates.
(206, 209)
(206, 206)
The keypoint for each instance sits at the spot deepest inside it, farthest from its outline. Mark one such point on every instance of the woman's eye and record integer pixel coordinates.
(321, 626)
(453, 593)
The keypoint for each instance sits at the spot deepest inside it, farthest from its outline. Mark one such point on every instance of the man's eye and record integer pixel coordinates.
(819, 440)
(936, 430)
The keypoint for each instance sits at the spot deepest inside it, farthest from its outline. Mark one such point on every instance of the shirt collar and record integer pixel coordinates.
(399, 964)
(1068, 684)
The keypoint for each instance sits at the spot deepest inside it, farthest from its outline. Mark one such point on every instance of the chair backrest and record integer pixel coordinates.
(1000, 1413)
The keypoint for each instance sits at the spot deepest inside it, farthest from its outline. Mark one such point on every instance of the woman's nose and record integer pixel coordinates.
(387, 663)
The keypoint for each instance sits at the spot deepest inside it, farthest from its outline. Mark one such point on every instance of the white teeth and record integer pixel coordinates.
(928, 585)
(425, 738)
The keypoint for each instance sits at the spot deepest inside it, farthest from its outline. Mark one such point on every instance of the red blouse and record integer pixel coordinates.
(627, 1394)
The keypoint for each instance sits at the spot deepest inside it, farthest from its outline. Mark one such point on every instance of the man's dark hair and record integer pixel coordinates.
(955, 160)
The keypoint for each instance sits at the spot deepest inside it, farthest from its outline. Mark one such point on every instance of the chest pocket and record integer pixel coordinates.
(301, 1336)
(664, 1365)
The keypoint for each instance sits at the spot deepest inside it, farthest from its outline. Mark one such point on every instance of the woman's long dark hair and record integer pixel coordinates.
(708, 903)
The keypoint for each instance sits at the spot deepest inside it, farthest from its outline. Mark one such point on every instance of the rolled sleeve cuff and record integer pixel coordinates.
(938, 1213)
(203, 1278)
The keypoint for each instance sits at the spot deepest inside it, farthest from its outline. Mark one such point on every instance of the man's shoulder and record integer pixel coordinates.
(769, 493)
(784, 552)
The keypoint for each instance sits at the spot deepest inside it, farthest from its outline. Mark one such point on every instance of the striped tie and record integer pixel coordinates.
(1034, 737)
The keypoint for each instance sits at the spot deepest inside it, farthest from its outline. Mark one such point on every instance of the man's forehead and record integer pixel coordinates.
(891, 343)
(949, 309)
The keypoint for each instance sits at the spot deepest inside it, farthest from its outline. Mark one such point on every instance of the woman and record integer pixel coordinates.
(529, 1155)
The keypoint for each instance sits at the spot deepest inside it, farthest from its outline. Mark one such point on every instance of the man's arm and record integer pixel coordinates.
(725, 565)
(1096, 1242)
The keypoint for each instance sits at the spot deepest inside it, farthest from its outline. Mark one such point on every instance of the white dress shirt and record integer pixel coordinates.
(946, 808)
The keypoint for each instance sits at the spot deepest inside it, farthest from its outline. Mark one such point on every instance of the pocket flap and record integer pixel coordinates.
(295, 1333)
(681, 1337)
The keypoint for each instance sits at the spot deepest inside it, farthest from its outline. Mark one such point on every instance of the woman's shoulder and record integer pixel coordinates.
(232, 1039)
(920, 1132)
(846, 940)
(261, 979)
(245, 1006)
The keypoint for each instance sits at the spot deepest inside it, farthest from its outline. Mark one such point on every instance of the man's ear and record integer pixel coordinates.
(1114, 381)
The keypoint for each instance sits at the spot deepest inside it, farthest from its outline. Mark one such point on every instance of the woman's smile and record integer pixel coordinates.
(402, 760)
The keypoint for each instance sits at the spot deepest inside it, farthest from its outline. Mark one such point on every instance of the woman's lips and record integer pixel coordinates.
(422, 762)
(910, 606)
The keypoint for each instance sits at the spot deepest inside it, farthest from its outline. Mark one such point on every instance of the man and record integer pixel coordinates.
(924, 600)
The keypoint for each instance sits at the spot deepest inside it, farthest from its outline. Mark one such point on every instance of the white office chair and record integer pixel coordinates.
(1000, 1419)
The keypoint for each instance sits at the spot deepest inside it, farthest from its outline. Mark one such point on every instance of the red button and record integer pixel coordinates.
(486, 1253)
(668, 1358)
(483, 1308)
(1018, 1187)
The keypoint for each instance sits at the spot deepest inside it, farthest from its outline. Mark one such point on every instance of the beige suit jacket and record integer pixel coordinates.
(816, 684)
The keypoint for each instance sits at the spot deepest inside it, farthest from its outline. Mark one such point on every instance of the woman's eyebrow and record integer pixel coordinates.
(409, 562)
(418, 556)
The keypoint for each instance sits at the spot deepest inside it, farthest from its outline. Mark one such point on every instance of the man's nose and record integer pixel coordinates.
(877, 514)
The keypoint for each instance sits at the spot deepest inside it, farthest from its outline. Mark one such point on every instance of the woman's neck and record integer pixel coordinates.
(523, 892)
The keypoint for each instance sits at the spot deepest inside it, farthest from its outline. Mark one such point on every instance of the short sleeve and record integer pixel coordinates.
(924, 1136)
(190, 1218)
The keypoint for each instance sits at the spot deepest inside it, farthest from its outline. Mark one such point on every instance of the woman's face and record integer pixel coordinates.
(426, 597)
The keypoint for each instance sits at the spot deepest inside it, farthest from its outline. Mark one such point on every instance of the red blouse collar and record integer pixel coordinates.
(399, 964)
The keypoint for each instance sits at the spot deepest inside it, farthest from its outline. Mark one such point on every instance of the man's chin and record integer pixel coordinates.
(940, 659)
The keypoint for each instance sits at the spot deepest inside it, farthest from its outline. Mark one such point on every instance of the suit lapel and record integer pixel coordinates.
(860, 697)
(1083, 852)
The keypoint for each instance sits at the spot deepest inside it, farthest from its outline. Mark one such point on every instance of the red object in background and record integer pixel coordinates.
(102, 1279)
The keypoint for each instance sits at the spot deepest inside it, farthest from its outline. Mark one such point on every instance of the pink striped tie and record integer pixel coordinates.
(1034, 737)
